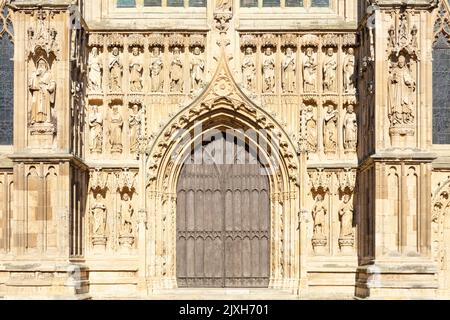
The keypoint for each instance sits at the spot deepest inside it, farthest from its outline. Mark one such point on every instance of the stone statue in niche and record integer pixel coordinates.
(99, 212)
(43, 93)
(391, 37)
(311, 127)
(289, 67)
(95, 68)
(309, 71)
(115, 131)
(115, 70)
(156, 74)
(136, 69)
(330, 129)
(329, 71)
(401, 94)
(414, 42)
(224, 5)
(349, 72)
(176, 71)
(346, 236)
(197, 69)
(350, 127)
(319, 213)
(268, 71)
(126, 216)
(96, 130)
(134, 122)
(249, 69)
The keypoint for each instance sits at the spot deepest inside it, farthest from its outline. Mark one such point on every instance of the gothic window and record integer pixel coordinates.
(294, 3)
(271, 3)
(152, 3)
(283, 3)
(441, 79)
(320, 3)
(126, 3)
(6, 76)
(160, 3)
(175, 3)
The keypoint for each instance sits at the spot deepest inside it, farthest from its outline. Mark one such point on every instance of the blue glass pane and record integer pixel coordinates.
(152, 3)
(249, 3)
(126, 3)
(294, 3)
(441, 92)
(197, 3)
(271, 3)
(320, 3)
(175, 3)
(6, 90)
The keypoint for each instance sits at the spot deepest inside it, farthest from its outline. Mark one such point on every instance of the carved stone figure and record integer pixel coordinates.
(96, 130)
(330, 129)
(95, 68)
(197, 69)
(319, 213)
(224, 5)
(156, 74)
(401, 88)
(346, 217)
(349, 72)
(329, 71)
(249, 69)
(134, 122)
(350, 129)
(99, 213)
(176, 71)
(115, 70)
(311, 126)
(309, 71)
(268, 71)
(136, 69)
(115, 131)
(126, 215)
(43, 92)
(289, 67)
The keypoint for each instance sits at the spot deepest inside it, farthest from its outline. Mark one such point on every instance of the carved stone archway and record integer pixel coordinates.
(222, 105)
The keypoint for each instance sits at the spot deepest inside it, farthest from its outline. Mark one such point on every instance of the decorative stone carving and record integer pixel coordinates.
(350, 128)
(96, 130)
(311, 127)
(289, 66)
(329, 71)
(176, 71)
(310, 71)
(95, 69)
(126, 219)
(134, 122)
(115, 130)
(349, 72)
(197, 69)
(268, 70)
(42, 38)
(330, 129)
(224, 5)
(346, 235)
(43, 94)
(115, 70)
(401, 90)
(249, 69)
(156, 68)
(319, 213)
(136, 69)
(99, 215)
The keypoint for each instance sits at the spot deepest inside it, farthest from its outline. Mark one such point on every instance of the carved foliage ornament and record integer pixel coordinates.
(42, 37)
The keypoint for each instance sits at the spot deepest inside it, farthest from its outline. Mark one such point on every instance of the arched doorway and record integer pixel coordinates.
(223, 217)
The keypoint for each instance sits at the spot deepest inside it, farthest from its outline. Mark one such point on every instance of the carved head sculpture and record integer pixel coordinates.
(330, 52)
(176, 51)
(350, 108)
(135, 51)
(125, 197)
(156, 51)
(401, 61)
(95, 51)
(115, 109)
(268, 51)
(309, 52)
(249, 51)
(330, 108)
(289, 51)
(94, 109)
(135, 108)
(98, 197)
(115, 51)
(42, 67)
(346, 198)
(350, 51)
(319, 198)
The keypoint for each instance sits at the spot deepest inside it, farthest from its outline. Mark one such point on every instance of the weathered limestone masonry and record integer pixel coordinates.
(97, 199)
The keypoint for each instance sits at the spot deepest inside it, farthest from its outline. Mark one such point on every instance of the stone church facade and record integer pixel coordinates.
(296, 149)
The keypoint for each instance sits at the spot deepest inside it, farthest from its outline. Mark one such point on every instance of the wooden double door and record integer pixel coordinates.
(223, 225)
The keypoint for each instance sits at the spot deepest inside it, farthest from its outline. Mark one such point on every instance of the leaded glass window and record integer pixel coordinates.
(6, 76)
(126, 3)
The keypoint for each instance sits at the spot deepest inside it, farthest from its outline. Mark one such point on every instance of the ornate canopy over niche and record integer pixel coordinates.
(221, 99)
